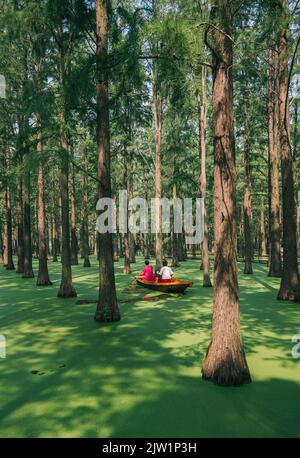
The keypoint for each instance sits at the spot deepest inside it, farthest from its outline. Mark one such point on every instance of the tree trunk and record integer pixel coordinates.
(7, 203)
(202, 104)
(28, 272)
(145, 237)
(290, 275)
(116, 248)
(1, 244)
(225, 362)
(107, 307)
(54, 240)
(298, 221)
(66, 287)
(247, 207)
(85, 221)
(132, 248)
(175, 248)
(20, 250)
(127, 248)
(43, 275)
(5, 244)
(127, 269)
(273, 159)
(157, 117)
(74, 241)
(262, 232)
(55, 244)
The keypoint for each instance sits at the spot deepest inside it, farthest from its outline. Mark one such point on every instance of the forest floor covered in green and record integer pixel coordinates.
(68, 376)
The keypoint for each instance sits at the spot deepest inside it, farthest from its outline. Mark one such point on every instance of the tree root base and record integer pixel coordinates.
(43, 282)
(227, 381)
(66, 291)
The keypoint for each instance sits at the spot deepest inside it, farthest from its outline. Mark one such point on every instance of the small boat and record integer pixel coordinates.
(175, 286)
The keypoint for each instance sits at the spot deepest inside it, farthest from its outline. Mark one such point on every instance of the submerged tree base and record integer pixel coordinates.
(107, 313)
(227, 380)
(86, 262)
(43, 282)
(275, 274)
(10, 267)
(66, 291)
(206, 281)
(285, 294)
(28, 275)
(226, 372)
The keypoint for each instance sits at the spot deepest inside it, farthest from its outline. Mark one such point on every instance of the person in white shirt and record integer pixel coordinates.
(165, 274)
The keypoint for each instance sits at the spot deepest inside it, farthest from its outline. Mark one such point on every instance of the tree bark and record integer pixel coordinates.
(202, 104)
(157, 117)
(74, 241)
(20, 249)
(107, 307)
(298, 221)
(43, 275)
(55, 244)
(175, 248)
(126, 269)
(66, 286)
(262, 231)
(85, 221)
(289, 286)
(273, 160)
(116, 248)
(1, 244)
(7, 203)
(28, 271)
(225, 363)
(247, 207)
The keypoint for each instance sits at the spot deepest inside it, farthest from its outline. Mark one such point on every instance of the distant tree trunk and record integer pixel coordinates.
(121, 245)
(85, 221)
(262, 231)
(7, 203)
(1, 244)
(175, 247)
(54, 240)
(20, 250)
(157, 117)
(66, 286)
(290, 275)
(225, 362)
(241, 233)
(28, 272)
(146, 248)
(247, 193)
(273, 159)
(131, 236)
(43, 275)
(74, 241)
(126, 269)
(298, 220)
(116, 248)
(55, 244)
(107, 307)
(132, 248)
(202, 104)
(5, 242)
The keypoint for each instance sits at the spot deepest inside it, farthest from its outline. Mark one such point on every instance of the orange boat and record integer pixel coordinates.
(175, 286)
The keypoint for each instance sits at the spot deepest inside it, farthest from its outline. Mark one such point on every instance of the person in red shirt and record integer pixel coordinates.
(148, 272)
